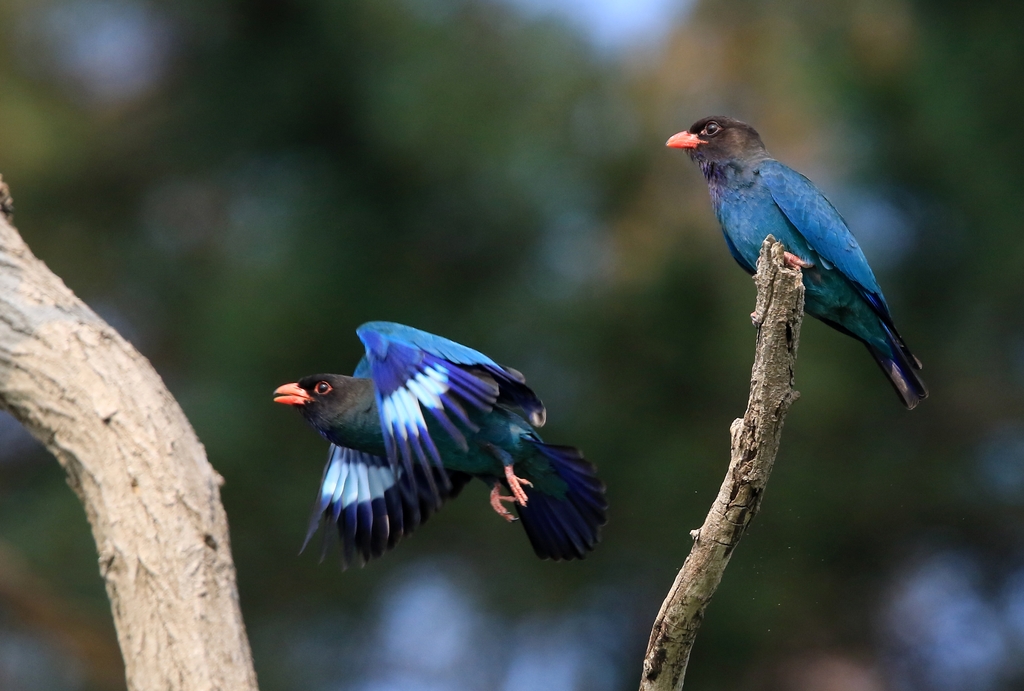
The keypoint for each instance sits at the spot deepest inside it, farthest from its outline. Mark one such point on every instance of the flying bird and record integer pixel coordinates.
(420, 417)
(754, 196)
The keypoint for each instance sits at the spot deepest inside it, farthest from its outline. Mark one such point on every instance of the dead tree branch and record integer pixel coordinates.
(150, 495)
(755, 442)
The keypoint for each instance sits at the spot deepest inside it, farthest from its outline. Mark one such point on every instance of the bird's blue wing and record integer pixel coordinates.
(427, 342)
(362, 369)
(738, 256)
(823, 228)
(372, 504)
(413, 370)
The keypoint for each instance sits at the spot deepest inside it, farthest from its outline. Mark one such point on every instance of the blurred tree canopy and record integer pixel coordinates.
(237, 185)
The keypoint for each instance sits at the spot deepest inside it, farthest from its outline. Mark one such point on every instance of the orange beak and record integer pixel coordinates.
(683, 140)
(291, 394)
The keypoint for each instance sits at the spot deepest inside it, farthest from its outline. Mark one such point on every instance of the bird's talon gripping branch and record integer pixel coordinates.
(516, 485)
(496, 498)
(795, 262)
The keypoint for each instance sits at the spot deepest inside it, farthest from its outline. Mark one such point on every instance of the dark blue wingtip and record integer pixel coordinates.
(372, 516)
(566, 527)
(514, 390)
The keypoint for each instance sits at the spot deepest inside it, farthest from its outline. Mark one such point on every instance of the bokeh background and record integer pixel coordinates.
(237, 184)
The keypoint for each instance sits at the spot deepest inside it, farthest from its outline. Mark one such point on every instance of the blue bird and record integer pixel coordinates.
(754, 196)
(419, 418)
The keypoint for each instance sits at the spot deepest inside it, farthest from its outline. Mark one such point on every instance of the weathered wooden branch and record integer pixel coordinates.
(755, 442)
(151, 497)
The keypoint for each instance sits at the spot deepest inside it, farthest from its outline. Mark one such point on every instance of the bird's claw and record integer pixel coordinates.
(516, 485)
(795, 262)
(496, 498)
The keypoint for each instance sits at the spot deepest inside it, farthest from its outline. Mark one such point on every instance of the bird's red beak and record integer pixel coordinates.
(291, 394)
(683, 140)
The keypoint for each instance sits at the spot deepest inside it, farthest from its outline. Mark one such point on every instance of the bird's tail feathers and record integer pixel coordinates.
(901, 368)
(882, 311)
(897, 340)
(567, 527)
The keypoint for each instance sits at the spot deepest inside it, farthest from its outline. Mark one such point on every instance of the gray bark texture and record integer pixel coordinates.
(755, 442)
(151, 497)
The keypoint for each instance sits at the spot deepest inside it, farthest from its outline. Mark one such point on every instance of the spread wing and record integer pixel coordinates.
(823, 228)
(372, 504)
(413, 370)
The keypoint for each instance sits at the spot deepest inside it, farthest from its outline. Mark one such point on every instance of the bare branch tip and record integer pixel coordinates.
(755, 441)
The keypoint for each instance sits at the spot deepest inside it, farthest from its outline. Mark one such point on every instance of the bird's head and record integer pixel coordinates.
(321, 398)
(719, 139)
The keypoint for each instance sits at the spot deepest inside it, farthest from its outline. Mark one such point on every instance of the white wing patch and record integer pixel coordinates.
(402, 408)
(350, 480)
(429, 385)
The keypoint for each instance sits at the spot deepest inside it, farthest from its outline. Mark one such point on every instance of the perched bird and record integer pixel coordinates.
(390, 466)
(755, 196)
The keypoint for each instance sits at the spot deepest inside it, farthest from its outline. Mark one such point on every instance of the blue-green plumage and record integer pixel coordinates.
(754, 196)
(502, 437)
(421, 417)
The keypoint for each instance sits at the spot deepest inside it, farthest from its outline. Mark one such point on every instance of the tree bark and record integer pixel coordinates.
(755, 442)
(151, 497)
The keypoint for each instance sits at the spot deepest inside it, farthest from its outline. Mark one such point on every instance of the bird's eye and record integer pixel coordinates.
(323, 388)
(711, 129)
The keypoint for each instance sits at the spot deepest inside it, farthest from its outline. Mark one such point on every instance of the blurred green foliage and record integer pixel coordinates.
(298, 167)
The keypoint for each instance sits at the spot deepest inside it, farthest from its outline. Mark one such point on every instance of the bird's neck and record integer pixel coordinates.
(355, 424)
(731, 176)
(731, 170)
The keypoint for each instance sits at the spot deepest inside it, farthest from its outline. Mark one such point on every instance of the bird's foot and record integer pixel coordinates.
(516, 485)
(795, 262)
(496, 498)
(756, 319)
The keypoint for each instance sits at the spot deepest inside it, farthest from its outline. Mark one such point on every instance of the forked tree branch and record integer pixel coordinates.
(755, 442)
(151, 497)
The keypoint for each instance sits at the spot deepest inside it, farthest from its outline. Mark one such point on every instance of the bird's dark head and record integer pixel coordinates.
(719, 139)
(324, 398)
